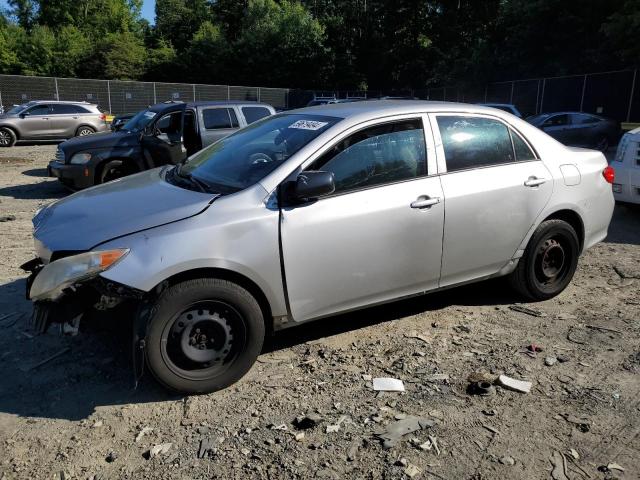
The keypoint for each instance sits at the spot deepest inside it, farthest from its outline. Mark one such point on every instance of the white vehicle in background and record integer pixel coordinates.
(626, 164)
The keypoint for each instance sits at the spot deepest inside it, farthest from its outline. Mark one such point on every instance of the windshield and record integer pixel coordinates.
(246, 157)
(139, 121)
(537, 118)
(18, 108)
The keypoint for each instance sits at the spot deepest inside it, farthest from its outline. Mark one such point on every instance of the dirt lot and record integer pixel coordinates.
(78, 416)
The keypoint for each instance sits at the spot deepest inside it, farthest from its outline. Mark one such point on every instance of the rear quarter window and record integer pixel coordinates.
(253, 114)
(218, 118)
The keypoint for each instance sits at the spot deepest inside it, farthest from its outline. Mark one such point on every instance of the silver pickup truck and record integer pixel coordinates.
(166, 133)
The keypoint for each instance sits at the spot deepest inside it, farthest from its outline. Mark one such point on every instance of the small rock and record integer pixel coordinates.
(245, 451)
(111, 457)
(304, 422)
(411, 471)
(367, 378)
(489, 413)
(332, 428)
(143, 432)
(550, 361)
(98, 424)
(402, 462)
(299, 436)
(507, 460)
(7, 218)
(159, 449)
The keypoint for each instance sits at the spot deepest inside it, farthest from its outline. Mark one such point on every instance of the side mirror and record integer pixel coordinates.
(24, 114)
(311, 184)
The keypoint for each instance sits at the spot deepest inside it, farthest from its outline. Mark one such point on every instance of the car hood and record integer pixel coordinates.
(98, 214)
(101, 140)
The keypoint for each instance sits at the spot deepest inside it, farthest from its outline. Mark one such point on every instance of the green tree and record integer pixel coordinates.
(117, 55)
(178, 20)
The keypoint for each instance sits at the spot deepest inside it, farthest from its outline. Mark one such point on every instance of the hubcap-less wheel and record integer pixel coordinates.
(202, 340)
(5, 138)
(551, 265)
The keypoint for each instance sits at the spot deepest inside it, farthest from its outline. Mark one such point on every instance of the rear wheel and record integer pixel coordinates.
(84, 131)
(7, 137)
(203, 335)
(549, 261)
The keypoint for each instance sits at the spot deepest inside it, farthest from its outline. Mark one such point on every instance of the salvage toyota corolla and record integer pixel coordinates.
(314, 212)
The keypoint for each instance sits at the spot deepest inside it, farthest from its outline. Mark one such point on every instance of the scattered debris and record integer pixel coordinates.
(7, 218)
(395, 430)
(352, 452)
(419, 336)
(491, 429)
(615, 466)
(304, 422)
(582, 424)
(627, 272)
(97, 424)
(527, 310)
(436, 377)
(559, 464)
(603, 329)
(299, 436)
(111, 457)
(206, 448)
(412, 471)
(332, 428)
(513, 384)
(489, 413)
(507, 460)
(482, 388)
(282, 427)
(574, 453)
(386, 384)
(534, 348)
(160, 449)
(550, 361)
(142, 433)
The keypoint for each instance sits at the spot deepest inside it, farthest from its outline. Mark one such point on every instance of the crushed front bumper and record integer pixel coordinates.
(75, 177)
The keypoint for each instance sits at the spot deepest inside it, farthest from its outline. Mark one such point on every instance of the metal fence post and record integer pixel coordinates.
(109, 95)
(544, 82)
(194, 91)
(55, 81)
(633, 87)
(228, 92)
(486, 87)
(584, 86)
(259, 90)
(513, 84)
(537, 97)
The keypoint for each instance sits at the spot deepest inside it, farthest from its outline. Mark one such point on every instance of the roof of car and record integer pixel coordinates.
(62, 101)
(226, 102)
(390, 107)
(490, 104)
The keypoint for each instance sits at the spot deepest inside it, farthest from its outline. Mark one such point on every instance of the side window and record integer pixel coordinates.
(215, 118)
(62, 109)
(253, 114)
(39, 110)
(382, 154)
(522, 150)
(170, 123)
(584, 119)
(471, 142)
(557, 121)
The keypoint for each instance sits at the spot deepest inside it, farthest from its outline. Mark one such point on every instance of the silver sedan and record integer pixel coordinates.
(311, 213)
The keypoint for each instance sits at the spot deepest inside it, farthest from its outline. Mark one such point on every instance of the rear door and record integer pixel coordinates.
(495, 187)
(36, 122)
(217, 122)
(64, 120)
(162, 142)
(253, 113)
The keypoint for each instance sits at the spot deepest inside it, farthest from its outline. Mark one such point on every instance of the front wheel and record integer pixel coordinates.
(549, 261)
(84, 131)
(203, 335)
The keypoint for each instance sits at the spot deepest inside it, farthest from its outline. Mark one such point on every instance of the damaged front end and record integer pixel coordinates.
(67, 287)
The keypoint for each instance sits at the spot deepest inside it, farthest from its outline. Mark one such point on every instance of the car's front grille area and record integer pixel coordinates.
(59, 156)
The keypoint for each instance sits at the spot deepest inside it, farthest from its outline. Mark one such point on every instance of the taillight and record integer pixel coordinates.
(103, 117)
(609, 174)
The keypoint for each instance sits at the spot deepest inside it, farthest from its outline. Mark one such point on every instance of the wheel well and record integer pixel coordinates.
(231, 276)
(85, 125)
(15, 132)
(125, 161)
(573, 219)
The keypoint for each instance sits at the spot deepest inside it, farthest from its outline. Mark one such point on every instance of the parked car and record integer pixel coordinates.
(321, 101)
(315, 212)
(166, 133)
(579, 129)
(119, 121)
(505, 107)
(50, 120)
(626, 163)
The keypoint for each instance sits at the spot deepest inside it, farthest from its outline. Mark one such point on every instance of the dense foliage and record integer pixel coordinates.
(349, 44)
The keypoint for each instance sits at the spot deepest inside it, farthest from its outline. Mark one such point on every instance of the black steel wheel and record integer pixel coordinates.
(203, 335)
(549, 261)
(7, 137)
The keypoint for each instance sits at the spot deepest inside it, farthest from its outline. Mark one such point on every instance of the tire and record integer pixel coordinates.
(7, 137)
(203, 335)
(112, 170)
(84, 130)
(549, 261)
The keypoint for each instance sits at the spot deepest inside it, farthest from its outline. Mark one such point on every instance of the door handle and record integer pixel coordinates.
(425, 202)
(534, 181)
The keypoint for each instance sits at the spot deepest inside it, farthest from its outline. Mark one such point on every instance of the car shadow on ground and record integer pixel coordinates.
(35, 191)
(625, 225)
(94, 369)
(36, 172)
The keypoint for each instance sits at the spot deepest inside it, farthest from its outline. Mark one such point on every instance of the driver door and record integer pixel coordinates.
(162, 142)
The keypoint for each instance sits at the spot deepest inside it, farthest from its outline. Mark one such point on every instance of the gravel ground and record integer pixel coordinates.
(78, 416)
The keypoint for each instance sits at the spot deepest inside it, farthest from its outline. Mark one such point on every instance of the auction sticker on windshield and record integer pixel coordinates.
(149, 114)
(307, 125)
